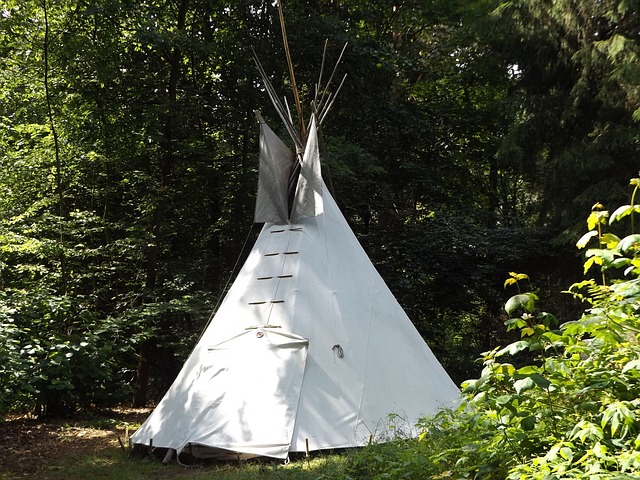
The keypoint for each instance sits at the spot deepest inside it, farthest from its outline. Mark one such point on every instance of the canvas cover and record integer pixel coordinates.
(308, 346)
(308, 197)
(275, 163)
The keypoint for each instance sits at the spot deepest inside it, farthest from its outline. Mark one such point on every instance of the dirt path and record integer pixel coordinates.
(27, 445)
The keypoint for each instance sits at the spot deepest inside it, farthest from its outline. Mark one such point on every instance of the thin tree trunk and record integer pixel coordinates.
(56, 145)
(166, 167)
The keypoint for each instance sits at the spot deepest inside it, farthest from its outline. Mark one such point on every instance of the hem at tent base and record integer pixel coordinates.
(215, 453)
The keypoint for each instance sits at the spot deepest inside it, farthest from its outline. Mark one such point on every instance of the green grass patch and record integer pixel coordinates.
(114, 464)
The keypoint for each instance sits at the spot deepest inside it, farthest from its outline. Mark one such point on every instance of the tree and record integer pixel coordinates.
(147, 184)
(575, 72)
(128, 147)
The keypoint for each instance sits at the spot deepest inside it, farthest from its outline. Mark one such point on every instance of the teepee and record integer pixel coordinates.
(309, 349)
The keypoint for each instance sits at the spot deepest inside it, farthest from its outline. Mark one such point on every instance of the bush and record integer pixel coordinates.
(53, 371)
(563, 401)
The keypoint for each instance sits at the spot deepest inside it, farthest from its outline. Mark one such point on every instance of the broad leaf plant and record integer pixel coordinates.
(562, 401)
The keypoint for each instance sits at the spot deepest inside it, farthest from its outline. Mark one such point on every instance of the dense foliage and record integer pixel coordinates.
(563, 401)
(464, 144)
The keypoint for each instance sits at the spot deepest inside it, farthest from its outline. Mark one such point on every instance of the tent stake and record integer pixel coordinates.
(306, 445)
(168, 457)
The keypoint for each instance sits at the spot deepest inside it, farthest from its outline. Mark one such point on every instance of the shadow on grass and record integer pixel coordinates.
(88, 448)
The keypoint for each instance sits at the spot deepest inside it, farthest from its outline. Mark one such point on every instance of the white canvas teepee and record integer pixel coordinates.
(309, 349)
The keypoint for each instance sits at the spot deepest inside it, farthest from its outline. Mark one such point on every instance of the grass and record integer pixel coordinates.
(114, 463)
(88, 448)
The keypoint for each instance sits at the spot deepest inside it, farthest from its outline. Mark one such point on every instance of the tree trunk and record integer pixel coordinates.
(56, 146)
(169, 135)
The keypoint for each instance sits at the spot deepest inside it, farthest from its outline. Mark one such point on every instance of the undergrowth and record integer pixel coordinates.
(561, 402)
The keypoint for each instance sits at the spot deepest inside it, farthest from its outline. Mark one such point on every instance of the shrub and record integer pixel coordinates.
(563, 401)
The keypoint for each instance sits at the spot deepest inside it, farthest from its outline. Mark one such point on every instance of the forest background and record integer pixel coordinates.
(470, 139)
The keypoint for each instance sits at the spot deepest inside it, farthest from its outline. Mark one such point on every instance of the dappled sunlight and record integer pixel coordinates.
(32, 446)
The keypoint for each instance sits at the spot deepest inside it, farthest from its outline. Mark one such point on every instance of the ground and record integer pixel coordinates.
(29, 446)
(95, 447)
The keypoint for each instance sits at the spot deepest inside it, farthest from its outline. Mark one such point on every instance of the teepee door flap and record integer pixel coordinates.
(245, 397)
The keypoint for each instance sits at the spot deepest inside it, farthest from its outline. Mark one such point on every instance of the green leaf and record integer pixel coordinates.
(621, 262)
(566, 453)
(527, 332)
(617, 42)
(635, 265)
(632, 365)
(631, 242)
(606, 255)
(524, 384)
(590, 262)
(504, 400)
(586, 431)
(525, 301)
(599, 450)
(609, 240)
(597, 218)
(515, 323)
(599, 256)
(618, 414)
(621, 212)
(540, 381)
(514, 278)
(513, 348)
(527, 370)
(584, 240)
(528, 423)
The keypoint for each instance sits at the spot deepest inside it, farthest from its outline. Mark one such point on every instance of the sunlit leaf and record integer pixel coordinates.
(527, 332)
(597, 218)
(589, 263)
(513, 348)
(609, 240)
(523, 384)
(632, 365)
(631, 242)
(584, 240)
(621, 212)
(566, 453)
(527, 370)
(526, 301)
(606, 255)
(540, 381)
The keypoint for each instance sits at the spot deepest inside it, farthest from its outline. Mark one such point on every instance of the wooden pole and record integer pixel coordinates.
(296, 96)
(306, 444)
(168, 458)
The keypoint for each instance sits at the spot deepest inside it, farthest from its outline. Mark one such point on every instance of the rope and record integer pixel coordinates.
(226, 286)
